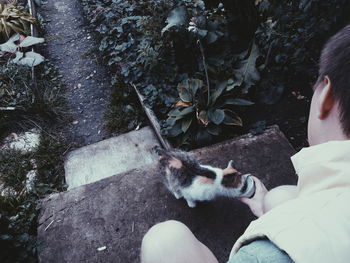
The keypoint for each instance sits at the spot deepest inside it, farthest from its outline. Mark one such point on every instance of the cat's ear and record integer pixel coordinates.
(229, 169)
(162, 153)
(175, 163)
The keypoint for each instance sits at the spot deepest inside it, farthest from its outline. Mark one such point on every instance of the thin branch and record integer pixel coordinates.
(205, 68)
(153, 120)
(7, 108)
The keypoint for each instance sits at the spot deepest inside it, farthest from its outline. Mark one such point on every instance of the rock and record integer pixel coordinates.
(30, 180)
(110, 157)
(117, 211)
(7, 191)
(24, 142)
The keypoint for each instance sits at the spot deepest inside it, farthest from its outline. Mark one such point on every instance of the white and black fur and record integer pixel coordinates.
(185, 177)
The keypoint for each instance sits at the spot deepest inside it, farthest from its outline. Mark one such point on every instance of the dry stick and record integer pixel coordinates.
(205, 68)
(153, 120)
(7, 108)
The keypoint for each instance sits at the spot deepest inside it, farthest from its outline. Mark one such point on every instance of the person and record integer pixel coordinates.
(309, 222)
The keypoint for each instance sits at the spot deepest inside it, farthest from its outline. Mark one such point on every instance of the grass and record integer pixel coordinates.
(47, 112)
(124, 112)
(47, 107)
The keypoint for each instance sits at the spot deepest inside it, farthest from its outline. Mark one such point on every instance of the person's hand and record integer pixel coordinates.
(256, 203)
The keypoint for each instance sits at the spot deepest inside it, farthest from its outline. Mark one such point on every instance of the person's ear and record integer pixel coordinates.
(326, 99)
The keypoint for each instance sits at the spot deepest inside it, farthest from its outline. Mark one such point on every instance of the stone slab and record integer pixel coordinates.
(110, 157)
(117, 211)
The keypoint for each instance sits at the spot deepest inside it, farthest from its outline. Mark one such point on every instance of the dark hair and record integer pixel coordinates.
(335, 63)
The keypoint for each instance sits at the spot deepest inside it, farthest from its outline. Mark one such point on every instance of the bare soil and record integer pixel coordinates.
(69, 46)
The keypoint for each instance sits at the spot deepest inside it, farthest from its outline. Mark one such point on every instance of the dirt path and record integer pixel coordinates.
(69, 44)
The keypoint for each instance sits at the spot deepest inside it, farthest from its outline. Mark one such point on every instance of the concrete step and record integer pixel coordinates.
(105, 221)
(110, 157)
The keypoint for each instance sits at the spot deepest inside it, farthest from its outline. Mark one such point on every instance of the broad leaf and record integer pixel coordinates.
(177, 17)
(174, 112)
(195, 85)
(31, 59)
(187, 110)
(10, 45)
(184, 94)
(214, 130)
(30, 41)
(218, 91)
(231, 84)
(217, 116)
(180, 103)
(185, 124)
(247, 73)
(175, 130)
(19, 55)
(171, 121)
(203, 118)
(239, 102)
(231, 118)
(203, 137)
(211, 37)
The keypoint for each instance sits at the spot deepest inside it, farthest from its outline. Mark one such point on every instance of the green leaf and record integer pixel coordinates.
(177, 17)
(185, 95)
(214, 130)
(203, 118)
(19, 55)
(211, 37)
(203, 137)
(219, 90)
(247, 73)
(239, 102)
(195, 85)
(170, 121)
(187, 110)
(30, 41)
(175, 130)
(174, 112)
(31, 59)
(10, 45)
(217, 116)
(185, 124)
(231, 84)
(232, 119)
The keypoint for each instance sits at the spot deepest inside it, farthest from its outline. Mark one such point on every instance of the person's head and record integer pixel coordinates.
(329, 117)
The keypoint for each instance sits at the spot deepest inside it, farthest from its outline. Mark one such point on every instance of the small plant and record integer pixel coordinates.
(15, 45)
(199, 116)
(14, 19)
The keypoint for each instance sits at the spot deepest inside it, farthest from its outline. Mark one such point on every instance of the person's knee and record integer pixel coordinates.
(162, 238)
(169, 230)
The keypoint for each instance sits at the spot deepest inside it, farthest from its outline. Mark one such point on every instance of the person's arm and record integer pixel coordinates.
(264, 200)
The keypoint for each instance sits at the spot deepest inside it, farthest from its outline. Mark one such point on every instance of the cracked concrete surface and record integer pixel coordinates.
(69, 44)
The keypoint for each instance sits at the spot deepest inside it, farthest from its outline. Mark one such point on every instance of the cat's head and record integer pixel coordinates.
(242, 183)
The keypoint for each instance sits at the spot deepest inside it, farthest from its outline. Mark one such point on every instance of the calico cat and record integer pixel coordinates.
(185, 177)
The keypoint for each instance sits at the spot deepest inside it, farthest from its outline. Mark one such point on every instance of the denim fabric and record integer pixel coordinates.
(260, 251)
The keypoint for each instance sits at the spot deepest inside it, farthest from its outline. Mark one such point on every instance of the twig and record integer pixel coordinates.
(7, 108)
(46, 228)
(133, 227)
(153, 120)
(40, 128)
(205, 68)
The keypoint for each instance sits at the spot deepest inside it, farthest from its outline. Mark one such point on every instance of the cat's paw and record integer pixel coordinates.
(191, 203)
(177, 196)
